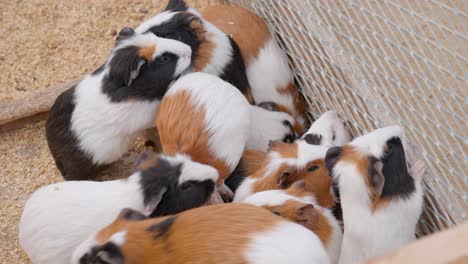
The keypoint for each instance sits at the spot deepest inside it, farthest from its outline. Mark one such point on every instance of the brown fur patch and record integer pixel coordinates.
(319, 182)
(206, 48)
(299, 105)
(352, 155)
(182, 129)
(210, 234)
(305, 215)
(284, 149)
(253, 160)
(147, 52)
(247, 29)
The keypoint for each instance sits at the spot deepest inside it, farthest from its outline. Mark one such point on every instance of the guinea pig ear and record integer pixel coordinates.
(126, 63)
(377, 178)
(418, 169)
(176, 5)
(306, 213)
(284, 180)
(313, 139)
(131, 215)
(270, 106)
(331, 158)
(124, 33)
(154, 202)
(146, 160)
(108, 253)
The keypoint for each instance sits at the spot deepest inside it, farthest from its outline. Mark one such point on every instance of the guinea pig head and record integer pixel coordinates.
(141, 66)
(372, 168)
(172, 184)
(328, 130)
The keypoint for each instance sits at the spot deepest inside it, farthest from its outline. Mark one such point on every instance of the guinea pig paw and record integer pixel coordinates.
(215, 198)
(225, 193)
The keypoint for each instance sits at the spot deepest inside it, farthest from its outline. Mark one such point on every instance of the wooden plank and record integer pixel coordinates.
(32, 104)
(449, 246)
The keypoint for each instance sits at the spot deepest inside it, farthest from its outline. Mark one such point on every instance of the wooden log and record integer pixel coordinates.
(449, 246)
(32, 103)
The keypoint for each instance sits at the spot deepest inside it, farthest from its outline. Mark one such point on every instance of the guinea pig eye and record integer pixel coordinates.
(162, 59)
(186, 186)
(312, 169)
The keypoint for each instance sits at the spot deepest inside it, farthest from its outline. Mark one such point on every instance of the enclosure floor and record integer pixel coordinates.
(46, 43)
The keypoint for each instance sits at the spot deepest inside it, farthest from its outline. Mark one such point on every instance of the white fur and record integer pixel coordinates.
(192, 170)
(306, 153)
(118, 238)
(276, 197)
(329, 125)
(286, 242)
(372, 142)
(58, 217)
(155, 20)
(105, 130)
(371, 233)
(266, 126)
(268, 72)
(333, 246)
(226, 113)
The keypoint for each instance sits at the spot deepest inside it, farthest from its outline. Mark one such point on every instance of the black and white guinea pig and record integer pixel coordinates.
(381, 198)
(58, 217)
(328, 130)
(268, 72)
(223, 233)
(95, 122)
(213, 51)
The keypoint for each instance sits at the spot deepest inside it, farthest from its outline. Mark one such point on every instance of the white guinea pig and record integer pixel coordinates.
(381, 199)
(58, 217)
(224, 233)
(95, 122)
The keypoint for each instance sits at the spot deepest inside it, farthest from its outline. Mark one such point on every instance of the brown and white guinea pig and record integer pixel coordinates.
(95, 122)
(206, 119)
(58, 217)
(298, 205)
(381, 199)
(328, 130)
(287, 163)
(268, 72)
(250, 162)
(224, 233)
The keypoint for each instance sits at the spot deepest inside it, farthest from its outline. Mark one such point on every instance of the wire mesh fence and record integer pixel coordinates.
(386, 62)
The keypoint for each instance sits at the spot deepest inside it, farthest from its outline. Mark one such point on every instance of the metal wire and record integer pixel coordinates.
(387, 62)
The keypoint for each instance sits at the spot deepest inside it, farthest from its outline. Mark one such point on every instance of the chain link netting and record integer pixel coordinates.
(386, 62)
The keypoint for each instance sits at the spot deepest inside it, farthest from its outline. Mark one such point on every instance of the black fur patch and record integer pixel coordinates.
(99, 70)
(291, 136)
(313, 139)
(176, 5)
(110, 250)
(177, 198)
(151, 83)
(398, 182)
(236, 177)
(331, 158)
(132, 215)
(235, 72)
(71, 161)
(162, 229)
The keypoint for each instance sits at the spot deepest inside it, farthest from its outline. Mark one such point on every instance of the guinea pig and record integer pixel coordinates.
(249, 163)
(299, 206)
(328, 130)
(58, 217)
(206, 119)
(268, 72)
(95, 122)
(225, 233)
(213, 51)
(286, 164)
(381, 199)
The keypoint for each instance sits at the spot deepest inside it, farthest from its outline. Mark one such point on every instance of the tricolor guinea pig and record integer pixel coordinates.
(287, 163)
(225, 233)
(299, 206)
(58, 217)
(328, 130)
(381, 199)
(95, 122)
(206, 119)
(268, 72)
(213, 51)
